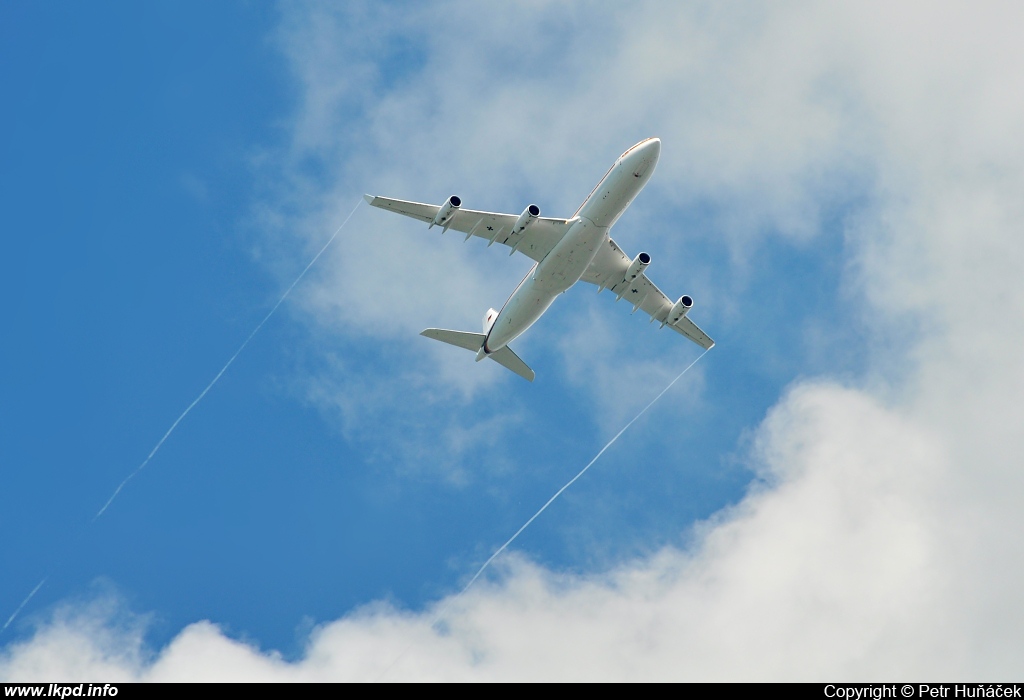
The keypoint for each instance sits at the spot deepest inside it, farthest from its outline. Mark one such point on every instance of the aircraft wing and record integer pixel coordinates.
(608, 271)
(535, 242)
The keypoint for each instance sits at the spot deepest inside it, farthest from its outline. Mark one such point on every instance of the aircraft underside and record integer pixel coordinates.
(566, 251)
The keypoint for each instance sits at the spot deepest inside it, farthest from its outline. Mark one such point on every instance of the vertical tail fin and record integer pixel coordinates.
(489, 319)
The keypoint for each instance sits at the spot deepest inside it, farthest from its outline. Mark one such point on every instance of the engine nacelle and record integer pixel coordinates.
(679, 309)
(446, 212)
(636, 268)
(528, 216)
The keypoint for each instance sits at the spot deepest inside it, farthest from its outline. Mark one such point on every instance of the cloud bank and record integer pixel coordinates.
(880, 537)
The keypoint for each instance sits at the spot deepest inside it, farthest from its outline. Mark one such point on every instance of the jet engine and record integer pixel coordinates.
(446, 212)
(528, 216)
(636, 268)
(679, 309)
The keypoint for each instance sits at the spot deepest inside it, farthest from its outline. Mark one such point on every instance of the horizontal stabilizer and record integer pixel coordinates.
(474, 341)
(509, 360)
(460, 339)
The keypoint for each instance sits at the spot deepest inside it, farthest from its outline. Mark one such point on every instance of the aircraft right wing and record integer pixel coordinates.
(608, 271)
(535, 242)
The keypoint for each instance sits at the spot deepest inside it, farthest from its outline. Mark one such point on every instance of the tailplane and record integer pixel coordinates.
(474, 342)
(509, 360)
(460, 339)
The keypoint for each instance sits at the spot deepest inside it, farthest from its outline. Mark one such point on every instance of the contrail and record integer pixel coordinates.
(199, 398)
(502, 548)
(225, 367)
(581, 473)
(23, 604)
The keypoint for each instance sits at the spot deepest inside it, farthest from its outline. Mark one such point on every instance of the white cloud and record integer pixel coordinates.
(839, 566)
(881, 539)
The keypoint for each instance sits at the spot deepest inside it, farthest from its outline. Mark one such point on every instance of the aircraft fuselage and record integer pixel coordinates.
(569, 259)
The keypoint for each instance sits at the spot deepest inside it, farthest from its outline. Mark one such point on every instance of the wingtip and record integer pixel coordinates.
(369, 198)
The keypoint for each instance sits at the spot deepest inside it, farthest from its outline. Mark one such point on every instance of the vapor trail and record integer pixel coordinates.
(23, 604)
(581, 473)
(444, 607)
(225, 367)
(196, 401)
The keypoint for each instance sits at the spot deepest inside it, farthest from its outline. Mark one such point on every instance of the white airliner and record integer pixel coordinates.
(566, 251)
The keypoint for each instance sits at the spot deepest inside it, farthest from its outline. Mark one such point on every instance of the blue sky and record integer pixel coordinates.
(169, 170)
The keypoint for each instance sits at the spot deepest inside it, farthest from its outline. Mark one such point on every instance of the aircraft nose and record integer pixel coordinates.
(642, 157)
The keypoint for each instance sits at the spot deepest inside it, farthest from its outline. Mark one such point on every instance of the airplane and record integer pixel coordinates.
(566, 251)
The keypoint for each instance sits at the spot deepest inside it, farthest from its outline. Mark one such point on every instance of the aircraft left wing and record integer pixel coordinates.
(535, 241)
(608, 271)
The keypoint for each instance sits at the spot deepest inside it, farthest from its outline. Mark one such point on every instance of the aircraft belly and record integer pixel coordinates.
(616, 193)
(565, 264)
(560, 269)
(523, 308)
